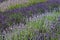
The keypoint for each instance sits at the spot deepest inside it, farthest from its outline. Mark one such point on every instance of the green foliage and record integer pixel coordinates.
(36, 24)
(14, 6)
(15, 15)
(41, 10)
(34, 1)
(15, 18)
(32, 26)
(30, 2)
(1, 37)
(23, 35)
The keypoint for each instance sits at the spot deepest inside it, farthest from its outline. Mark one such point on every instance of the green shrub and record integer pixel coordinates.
(30, 2)
(38, 26)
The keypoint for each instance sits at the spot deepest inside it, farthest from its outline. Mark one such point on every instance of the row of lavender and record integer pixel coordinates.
(35, 9)
(40, 28)
(18, 15)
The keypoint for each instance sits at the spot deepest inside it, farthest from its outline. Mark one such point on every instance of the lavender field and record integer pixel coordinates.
(30, 20)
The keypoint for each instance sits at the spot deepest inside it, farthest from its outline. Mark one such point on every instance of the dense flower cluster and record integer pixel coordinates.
(38, 8)
(3, 24)
(19, 14)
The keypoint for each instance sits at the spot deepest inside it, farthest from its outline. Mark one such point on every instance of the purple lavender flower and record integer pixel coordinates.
(2, 0)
